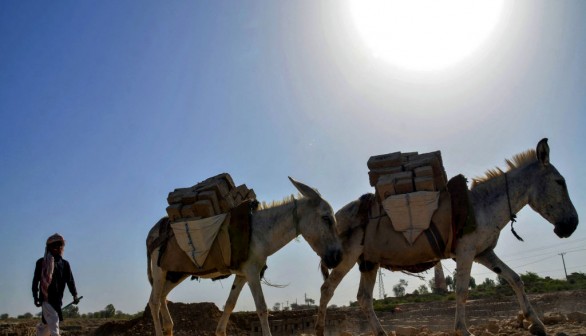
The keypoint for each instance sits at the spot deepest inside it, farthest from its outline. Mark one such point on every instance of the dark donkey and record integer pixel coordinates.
(530, 180)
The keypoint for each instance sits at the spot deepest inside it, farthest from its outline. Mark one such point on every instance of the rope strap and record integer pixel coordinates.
(513, 217)
(296, 217)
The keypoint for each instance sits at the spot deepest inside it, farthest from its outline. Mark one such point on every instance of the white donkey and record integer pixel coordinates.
(531, 179)
(271, 229)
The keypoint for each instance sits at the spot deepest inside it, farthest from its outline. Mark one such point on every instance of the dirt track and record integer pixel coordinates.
(563, 313)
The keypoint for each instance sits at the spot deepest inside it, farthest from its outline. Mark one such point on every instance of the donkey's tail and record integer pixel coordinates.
(325, 272)
(153, 241)
(149, 269)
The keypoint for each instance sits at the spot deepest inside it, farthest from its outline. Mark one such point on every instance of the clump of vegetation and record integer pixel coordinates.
(490, 288)
(73, 312)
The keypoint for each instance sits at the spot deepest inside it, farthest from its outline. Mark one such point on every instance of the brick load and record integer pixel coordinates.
(408, 187)
(402, 173)
(213, 196)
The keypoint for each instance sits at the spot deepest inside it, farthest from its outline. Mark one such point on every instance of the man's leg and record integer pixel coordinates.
(52, 319)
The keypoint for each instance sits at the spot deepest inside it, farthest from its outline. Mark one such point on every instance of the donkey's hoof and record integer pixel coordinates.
(537, 329)
(319, 331)
(462, 332)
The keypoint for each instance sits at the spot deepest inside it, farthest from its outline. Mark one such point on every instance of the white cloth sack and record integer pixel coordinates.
(411, 213)
(196, 237)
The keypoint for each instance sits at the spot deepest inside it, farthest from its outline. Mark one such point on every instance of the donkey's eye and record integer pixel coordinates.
(562, 183)
(327, 219)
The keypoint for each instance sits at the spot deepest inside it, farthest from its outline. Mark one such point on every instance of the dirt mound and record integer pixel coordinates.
(563, 313)
(196, 319)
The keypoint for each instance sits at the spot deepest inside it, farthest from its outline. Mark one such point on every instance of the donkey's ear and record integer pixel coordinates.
(305, 190)
(543, 151)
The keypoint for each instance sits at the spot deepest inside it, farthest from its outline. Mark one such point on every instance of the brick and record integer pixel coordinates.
(224, 178)
(424, 160)
(241, 193)
(423, 171)
(220, 187)
(203, 208)
(406, 157)
(404, 185)
(374, 174)
(426, 183)
(174, 211)
(176, 195)
(385, 187)
(212, 197)
(187, 211)
(384, 160)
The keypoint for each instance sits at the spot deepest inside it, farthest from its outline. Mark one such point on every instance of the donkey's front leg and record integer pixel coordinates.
(492, 262)
(239, 282)
(463, 268)
(351, 253)
(327, 291)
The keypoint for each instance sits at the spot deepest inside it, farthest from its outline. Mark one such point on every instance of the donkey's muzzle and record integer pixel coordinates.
(332, 258)
(566, 228)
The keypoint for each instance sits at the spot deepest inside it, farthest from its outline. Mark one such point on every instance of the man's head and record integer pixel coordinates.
(55, 244)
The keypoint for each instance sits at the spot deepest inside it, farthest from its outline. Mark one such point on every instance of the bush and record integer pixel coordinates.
(533, 283)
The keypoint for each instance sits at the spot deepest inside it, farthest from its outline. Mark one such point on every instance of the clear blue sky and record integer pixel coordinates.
(106, 106)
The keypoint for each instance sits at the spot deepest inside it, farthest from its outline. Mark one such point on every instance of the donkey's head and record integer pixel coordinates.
(549, 195)
(317, 224)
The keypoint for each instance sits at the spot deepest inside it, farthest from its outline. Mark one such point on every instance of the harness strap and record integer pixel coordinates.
(296, 218)
(512, 215)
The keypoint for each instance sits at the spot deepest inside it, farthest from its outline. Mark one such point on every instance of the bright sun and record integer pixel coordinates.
(424, 34)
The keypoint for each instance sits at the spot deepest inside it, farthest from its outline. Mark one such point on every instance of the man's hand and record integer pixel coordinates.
(37, 302)
(75, 300)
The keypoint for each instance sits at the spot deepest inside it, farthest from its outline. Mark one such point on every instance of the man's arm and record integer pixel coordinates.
(71, 282)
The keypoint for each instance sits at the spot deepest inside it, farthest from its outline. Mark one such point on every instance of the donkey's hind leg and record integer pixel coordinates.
(157, 286)
(239, 282)
(367, 281)
(492, 262)
(167, 287)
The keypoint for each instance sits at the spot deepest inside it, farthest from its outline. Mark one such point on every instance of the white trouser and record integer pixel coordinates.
(52, 318)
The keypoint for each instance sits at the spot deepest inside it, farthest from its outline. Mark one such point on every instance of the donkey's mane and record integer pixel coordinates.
(516, 161)
(264, 205)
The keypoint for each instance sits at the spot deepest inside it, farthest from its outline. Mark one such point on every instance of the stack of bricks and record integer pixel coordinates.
(211, 197)
(401, 173)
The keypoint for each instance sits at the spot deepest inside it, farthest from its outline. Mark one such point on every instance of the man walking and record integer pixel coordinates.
(52, 273)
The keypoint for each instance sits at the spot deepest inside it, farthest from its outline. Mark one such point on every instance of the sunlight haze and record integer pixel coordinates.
(425, 34)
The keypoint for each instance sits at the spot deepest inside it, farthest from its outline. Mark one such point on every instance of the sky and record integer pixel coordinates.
(107, 106)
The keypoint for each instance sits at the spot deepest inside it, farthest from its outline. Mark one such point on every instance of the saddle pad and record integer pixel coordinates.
(411, 213)
(196, 237)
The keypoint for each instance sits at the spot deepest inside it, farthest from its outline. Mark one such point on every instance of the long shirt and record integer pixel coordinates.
(62, 276)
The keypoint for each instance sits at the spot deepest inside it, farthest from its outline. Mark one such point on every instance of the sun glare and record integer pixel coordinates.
(424, 34)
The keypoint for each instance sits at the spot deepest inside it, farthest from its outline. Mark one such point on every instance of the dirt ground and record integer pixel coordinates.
(200, 319)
